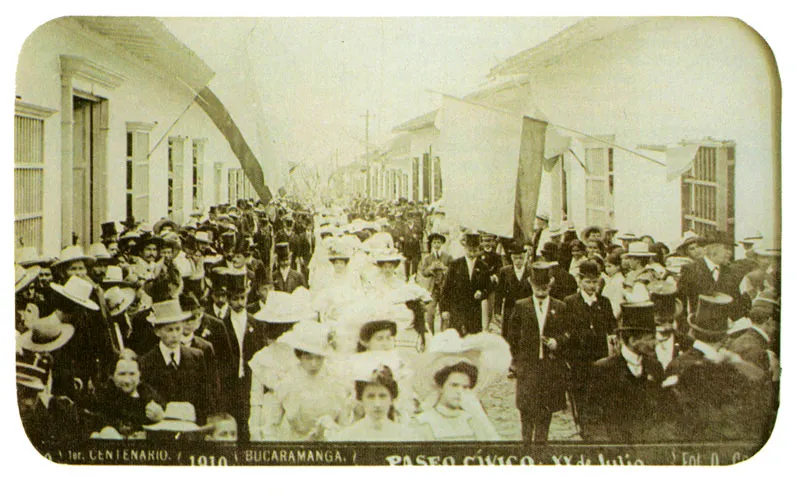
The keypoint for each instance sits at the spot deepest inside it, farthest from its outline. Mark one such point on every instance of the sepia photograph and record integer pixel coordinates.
(397, 241)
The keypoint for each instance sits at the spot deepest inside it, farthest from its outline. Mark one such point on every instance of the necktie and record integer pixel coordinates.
(715, 273)
(172, 363)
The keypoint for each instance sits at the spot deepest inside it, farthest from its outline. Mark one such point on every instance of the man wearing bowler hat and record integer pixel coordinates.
(433, 267)
(712, 274)
(717, 391)
(285, 278)
(248, 338)
(627, 402)
(537, 335)
(590, 322)
(466, 285)
(513, 284)
(177, 372)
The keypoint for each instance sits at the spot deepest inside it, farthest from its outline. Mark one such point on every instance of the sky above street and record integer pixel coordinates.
(313, 79)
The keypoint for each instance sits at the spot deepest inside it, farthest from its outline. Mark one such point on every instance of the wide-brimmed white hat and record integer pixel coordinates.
(78, 290)
(167, 312)
(27, 256)
(178, 416)
(119, 299)
(488, 352)
(202, 236)
(98, 251)
(23, 277)
(71, 254)
(309, 336)
(387, 255)
(46, 335)
(640, 249)
(285, 308)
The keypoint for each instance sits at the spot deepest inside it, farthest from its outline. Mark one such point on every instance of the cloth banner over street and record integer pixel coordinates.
(480, 155)
(529, 176)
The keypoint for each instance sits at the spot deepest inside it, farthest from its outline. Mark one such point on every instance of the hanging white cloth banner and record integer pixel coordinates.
(680, 159)
(480, 150)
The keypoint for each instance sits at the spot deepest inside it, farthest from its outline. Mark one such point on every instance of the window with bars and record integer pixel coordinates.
(707, 189)
(29, 161)
(175, 179)
(599, 167)
(198, 167)
(137, 171)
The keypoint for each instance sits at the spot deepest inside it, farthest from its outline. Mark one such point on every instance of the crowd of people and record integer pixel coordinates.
(382, 321)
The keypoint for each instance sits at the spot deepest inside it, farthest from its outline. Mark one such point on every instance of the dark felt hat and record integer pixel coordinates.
(109, 230)
(515, 248)
(436, 235)
(664, 295)
(639, 315)
(720, 237)
(711, 316)
(282, 251)
(471, 239)
(237, 281)
(589, 269)
(540, 273)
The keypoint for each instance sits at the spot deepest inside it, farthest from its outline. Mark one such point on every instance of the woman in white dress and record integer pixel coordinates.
(376, 392)
(309, 398)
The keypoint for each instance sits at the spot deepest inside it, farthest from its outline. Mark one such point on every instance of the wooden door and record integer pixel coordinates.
(82, 173)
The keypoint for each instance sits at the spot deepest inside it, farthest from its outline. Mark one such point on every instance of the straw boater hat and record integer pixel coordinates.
(167, 312)
(71, 254)
(751, 240)
(77, 290)
(46, 335)
(99, 252)
(178, 416)
(770, 252)
(628, 236)
(114, 277)
(23, 277)
(33, 376)
(202, 237)
(674, 264)
(159, 226)
(119, 299)
(639, 249)
(28, 257)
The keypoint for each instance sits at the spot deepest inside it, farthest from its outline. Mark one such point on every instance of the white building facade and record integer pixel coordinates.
(106, 128)
(644, 85)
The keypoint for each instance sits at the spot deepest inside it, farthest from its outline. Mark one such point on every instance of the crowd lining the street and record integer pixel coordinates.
(382, 321)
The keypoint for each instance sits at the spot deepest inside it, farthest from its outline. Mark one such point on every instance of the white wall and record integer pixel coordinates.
(143, 97)
(658, 83)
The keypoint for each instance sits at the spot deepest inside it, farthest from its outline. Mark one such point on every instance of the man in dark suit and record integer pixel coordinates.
(494, 262)
(433, 268)
(248, 338)
(217, 304)
(711, 274)
(720, 396)
(285, 278)
(177, 372)
(627, 402)
(513, 284)
(466, 285)
(590, 322)
(536, 335)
